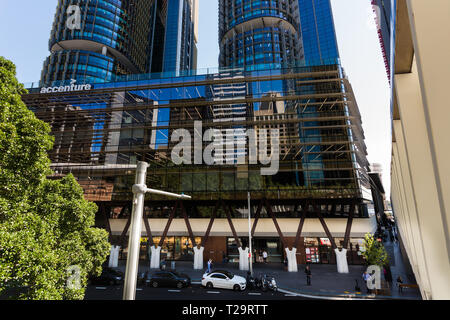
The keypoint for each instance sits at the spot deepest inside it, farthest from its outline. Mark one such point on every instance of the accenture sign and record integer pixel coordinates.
(72, 87)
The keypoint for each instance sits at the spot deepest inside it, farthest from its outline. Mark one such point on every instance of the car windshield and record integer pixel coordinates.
(228, 274)
(224, 272)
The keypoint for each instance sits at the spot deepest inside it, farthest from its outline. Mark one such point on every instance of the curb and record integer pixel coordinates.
(327, 297)
(296, 293)
(352, 296)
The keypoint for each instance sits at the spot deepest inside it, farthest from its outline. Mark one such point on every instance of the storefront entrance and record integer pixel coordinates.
(272, 246)
(318, 250)
(173, 248)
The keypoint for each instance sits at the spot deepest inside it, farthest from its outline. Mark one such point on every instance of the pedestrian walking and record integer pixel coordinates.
(308, 275)
(366, 277)
(260, 256)
(388, 275)
(399, 282)
(209, 266)
(357, 287)
(224, 257)
(265, 256)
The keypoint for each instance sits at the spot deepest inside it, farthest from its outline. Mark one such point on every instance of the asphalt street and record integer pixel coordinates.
(195, 292)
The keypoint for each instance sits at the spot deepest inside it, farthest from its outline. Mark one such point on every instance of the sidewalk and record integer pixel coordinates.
(325, 279)
(398, 268)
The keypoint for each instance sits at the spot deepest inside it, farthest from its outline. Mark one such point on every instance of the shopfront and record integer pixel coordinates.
(320, 251)
(173, 248)
(272, 246)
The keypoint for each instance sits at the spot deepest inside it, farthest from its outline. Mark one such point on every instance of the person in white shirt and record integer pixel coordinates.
(265, 256)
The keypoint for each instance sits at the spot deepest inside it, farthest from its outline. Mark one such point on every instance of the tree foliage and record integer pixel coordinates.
(374, 252)
(46, 226)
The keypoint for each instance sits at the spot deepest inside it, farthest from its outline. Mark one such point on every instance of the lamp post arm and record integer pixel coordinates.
(139, 190)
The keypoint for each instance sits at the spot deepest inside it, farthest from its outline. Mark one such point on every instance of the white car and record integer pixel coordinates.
(223, 280)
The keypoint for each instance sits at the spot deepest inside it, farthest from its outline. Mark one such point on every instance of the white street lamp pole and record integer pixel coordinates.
(139, 191)
(250, 235)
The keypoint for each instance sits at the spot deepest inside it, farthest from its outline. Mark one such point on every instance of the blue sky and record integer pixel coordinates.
(25, 29)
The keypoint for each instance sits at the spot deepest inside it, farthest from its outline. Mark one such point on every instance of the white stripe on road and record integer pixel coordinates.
(254, 294)
(212, 291)
(139, 289)
(174, 290)
(100, 288)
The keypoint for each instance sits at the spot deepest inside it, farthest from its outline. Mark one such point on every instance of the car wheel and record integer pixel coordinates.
(209, 285)
(155, 284)
(179, 285)
(236, 287)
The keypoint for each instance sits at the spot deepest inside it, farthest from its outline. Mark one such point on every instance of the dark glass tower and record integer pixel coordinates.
(259, 32)
(121, 37)
(385, 25)
(318, 32)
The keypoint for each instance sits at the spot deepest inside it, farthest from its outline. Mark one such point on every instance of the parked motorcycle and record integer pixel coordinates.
(268, 283)
(264, 282)
(253, 283)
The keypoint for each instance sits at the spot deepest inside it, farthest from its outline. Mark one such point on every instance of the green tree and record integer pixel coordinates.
(47, 238)
(374, 252)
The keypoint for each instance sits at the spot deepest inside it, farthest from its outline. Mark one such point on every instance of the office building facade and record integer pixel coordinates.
(139, 120)
(420, 168)
(116, 38)
(384, 18)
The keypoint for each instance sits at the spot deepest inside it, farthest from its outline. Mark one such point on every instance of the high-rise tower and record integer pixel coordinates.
(259, 32)
(318, 32)
(121, 37)
(385, 28)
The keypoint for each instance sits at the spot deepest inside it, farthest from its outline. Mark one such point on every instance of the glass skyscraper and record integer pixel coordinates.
(318, 31)
(118, 38)
(384, 18)
(259, 32)
(254, 35)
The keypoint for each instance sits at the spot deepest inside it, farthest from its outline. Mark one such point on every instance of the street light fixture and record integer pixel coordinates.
(139, 190)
